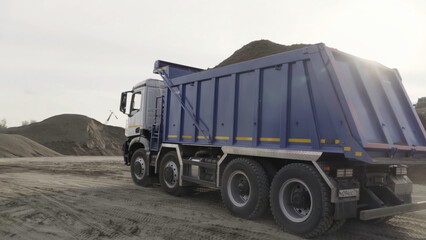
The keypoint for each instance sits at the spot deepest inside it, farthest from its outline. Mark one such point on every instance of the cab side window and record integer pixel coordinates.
(136, 102)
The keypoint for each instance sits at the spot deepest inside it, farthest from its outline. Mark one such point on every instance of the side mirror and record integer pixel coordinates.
(123, 102)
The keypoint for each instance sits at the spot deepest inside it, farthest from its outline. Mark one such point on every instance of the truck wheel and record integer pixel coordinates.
(139, 167)
(270, 170)
(300, 200)
(336, 225)
(245, 188)
(169, 175)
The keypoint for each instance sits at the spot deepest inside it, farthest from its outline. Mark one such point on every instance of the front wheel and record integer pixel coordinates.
(300, 200)
(139, 167)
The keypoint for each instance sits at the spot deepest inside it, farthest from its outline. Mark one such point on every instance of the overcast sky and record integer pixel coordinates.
(78, 56)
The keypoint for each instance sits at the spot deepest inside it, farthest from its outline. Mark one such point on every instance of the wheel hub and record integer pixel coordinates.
(300, 199)
(243, 187)
(139, 168)
(170, 174)
(238, 188)
(295, 200)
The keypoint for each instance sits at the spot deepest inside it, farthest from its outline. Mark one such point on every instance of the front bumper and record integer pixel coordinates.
(390, 211)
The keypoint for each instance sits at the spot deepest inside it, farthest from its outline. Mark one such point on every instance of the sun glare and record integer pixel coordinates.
(390, 32)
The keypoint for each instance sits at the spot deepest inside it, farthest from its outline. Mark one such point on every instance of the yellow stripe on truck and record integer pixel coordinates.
(159, 69)
(299, 140)
(270, 139)
(202, 137)
(336, 141)
(244, 138)
(221, 138)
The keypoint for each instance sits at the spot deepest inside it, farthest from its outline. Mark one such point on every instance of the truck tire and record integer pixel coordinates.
(139, 167)
(169, 175)
(245, 188)
(270, 170)
(336, 225)
(300, 200)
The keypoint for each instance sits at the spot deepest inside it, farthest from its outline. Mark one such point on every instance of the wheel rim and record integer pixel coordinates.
(170, 175)
(295, 200)
(139, 168)
(239, 188)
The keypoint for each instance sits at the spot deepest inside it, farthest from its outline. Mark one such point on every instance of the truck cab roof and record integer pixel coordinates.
(149, 82)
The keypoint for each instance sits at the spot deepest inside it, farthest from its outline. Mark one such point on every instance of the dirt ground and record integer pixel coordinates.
(95, 198)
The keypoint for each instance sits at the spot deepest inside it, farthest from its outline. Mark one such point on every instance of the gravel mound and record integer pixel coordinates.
(422, 115)
(418, 173)
(12, 145)
(71, 134)
(258, 49)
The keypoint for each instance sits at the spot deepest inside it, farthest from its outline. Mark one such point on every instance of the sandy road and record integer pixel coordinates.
(95, 198)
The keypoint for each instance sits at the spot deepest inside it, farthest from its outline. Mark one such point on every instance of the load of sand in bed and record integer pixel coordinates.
(71, 134)
(258, 49)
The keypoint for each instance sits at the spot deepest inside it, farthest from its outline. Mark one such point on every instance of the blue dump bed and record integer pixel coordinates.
(312, 99)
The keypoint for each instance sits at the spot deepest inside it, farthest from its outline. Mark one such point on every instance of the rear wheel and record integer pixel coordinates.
(336, 225)
(245, 188)
(270, 170)
(139, 167)
(169, 175)
(300, 200)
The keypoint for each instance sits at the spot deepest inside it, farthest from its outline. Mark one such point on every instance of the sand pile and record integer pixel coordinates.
(12, 145)
(418, 173)
(257, 49)
(71, 134)
(422, 115)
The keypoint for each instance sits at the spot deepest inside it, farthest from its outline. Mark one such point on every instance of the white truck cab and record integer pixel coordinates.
(139, 104)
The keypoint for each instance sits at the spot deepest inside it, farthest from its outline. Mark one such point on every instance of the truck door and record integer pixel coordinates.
(134, 122)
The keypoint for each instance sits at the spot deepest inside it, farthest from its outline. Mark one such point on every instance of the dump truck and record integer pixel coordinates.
(315, 134)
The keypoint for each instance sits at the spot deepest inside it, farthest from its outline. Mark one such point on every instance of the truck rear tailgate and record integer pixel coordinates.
(384, 120)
